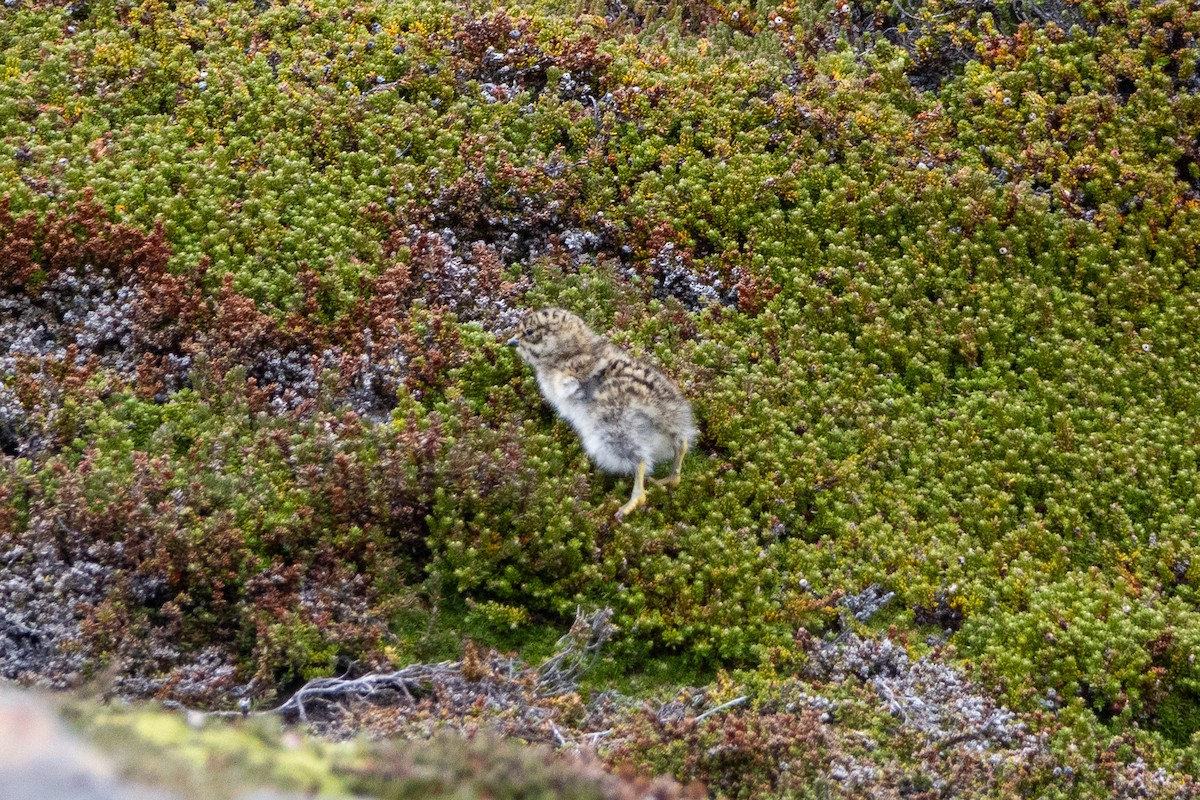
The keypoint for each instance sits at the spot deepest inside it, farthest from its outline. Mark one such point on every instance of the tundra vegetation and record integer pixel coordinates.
(927, 270)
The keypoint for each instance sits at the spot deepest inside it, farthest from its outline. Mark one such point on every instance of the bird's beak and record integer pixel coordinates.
(512, 342)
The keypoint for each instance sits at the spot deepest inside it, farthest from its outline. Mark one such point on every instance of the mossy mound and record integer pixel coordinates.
(929, 276)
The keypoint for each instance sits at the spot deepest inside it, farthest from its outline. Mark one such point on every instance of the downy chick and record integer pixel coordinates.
(629, 415)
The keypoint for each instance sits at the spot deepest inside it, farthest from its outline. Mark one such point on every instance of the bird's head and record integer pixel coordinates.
(549, 335)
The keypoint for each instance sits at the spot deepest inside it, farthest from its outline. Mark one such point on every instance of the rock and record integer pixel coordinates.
(40, 760)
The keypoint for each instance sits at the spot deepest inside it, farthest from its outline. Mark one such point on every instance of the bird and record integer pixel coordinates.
(629, 416)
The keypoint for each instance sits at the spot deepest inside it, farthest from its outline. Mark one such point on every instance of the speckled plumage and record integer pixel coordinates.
(629, 415)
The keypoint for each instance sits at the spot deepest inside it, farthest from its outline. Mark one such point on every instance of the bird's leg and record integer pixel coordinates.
(639, 492)
(673, 478)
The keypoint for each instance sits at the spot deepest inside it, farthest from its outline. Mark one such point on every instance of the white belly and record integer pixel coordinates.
(618, 447)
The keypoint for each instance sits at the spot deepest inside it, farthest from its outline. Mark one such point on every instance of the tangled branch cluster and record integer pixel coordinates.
(524, 701)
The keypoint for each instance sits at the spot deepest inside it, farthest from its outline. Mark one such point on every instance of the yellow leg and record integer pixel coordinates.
(673, 478)
(639, 492)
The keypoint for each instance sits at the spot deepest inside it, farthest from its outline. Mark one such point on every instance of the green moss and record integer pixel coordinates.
(215, 759)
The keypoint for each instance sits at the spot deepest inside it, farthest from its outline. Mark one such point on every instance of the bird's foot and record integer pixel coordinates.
(634, 502)
(638, 497)
(672, 480)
